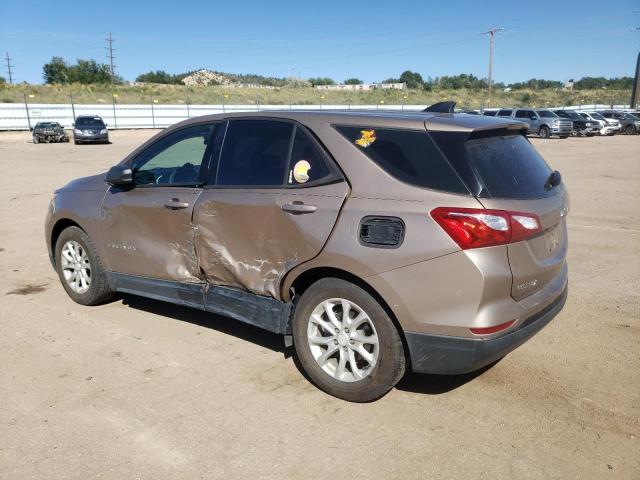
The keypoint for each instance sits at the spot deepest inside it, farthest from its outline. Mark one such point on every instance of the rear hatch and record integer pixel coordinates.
(505, 172)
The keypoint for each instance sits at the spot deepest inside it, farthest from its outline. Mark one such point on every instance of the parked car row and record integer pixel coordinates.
(562, 123)
(86, 129)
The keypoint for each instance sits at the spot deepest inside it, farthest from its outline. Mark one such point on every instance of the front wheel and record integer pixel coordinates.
(629, 130)
(80, 269)
(544, 132)
(346, 342)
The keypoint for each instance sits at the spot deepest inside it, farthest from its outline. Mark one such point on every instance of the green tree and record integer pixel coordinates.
(158, 76)
(321, 81)
(89, 71)
(56, 71)
(353, 81)
(412, 79)
(2, 80)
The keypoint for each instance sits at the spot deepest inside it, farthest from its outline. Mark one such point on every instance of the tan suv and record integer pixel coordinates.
(374, 242)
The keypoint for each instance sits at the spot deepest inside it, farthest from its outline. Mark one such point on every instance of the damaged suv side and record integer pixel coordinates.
(374, 242)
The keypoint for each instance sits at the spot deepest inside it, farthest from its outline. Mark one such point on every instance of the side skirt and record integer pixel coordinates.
(264, 312)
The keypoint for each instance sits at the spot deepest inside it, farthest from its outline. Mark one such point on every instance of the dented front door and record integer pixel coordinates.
(249, 238)
(148, 232)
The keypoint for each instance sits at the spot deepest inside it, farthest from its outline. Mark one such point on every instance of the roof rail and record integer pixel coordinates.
(441, 107)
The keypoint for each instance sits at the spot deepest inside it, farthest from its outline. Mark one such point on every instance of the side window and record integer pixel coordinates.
(504, 113)
(408, 155)
(522, 114)
(255, 152)
(175, 159)
(307, 163)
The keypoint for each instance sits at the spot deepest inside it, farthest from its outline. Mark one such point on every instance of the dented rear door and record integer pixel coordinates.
(249, 236)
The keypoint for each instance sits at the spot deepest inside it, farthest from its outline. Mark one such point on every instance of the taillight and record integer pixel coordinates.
(479, 227)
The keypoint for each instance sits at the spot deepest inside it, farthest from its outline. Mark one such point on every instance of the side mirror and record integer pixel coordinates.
(119, 176)
(534, 117)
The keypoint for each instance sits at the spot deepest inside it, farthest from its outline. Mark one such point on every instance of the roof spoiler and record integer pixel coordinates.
(441, 107)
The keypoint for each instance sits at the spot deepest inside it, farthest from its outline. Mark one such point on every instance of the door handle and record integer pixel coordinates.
(298, 208)
(176, 204)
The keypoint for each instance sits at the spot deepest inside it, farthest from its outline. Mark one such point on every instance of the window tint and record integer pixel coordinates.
(408, 155)
(546, 114)
(504, 113)
(508, 166)
(307, 164)
(255, 152)
(175, 159)
(89, 122)
(522, 114)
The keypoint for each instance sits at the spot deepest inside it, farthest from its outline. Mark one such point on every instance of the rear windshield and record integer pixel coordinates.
(408, 155)
(508, 166)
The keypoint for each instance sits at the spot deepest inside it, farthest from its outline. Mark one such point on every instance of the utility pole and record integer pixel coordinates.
(110, 56)
(9, 68)
(491, 32)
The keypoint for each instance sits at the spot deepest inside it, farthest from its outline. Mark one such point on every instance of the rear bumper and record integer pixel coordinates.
(455, 355)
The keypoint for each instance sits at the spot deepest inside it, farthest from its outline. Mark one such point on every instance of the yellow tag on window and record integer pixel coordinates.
(367, 137)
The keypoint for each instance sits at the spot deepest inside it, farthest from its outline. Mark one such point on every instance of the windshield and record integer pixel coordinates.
(508, 166)
(89, 122)
(572, 115)
(547, 114)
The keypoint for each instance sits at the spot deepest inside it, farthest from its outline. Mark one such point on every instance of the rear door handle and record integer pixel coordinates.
(176, 204)
(298, 208)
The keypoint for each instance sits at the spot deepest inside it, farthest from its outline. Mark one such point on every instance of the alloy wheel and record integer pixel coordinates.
(343, 340)
(76, 267)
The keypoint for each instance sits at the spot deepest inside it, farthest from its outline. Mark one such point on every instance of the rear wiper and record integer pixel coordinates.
(553, 180)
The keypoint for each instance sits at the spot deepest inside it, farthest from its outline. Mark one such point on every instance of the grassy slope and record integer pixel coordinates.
(300, 96)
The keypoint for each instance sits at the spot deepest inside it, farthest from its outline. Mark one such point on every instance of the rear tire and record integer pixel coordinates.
(328, 344)
(80, 269)
(544, 132)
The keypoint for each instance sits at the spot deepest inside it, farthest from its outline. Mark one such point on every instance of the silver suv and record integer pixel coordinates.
(543, 123)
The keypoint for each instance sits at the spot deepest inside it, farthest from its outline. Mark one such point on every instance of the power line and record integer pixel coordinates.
(9, 68)
(110, 56)
(491, 32)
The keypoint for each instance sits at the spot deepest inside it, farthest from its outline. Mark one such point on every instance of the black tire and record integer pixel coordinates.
(629, 130)
(544, 132)
(35, 139)
(75, 142)
(390, 365)
(99, 290)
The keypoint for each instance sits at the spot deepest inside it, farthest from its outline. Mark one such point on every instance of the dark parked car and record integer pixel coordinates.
(373, 241)
(581, 126)
(629, 124)
(49, 132)
(90, 129)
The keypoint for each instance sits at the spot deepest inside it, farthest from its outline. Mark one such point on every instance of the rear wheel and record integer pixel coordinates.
(346, 342)
(544, 132)
(80, 269)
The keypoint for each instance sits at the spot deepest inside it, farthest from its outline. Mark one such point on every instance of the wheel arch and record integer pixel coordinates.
(309, 277)
(61, 225)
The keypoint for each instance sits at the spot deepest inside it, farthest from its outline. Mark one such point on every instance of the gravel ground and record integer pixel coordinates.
(141, 389)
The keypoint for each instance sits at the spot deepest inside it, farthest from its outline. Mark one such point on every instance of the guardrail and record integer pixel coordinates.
(23, 116)
(20, 116)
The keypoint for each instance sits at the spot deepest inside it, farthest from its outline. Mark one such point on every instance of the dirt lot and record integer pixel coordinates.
(142, 389)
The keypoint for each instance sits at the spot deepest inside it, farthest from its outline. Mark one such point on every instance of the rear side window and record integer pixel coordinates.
(255, 152)
(307, 164)
(522, 114)
(508, 166)
(504, 113)
(408, 155)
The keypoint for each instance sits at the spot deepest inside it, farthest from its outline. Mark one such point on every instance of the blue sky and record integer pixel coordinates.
(371, 40)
